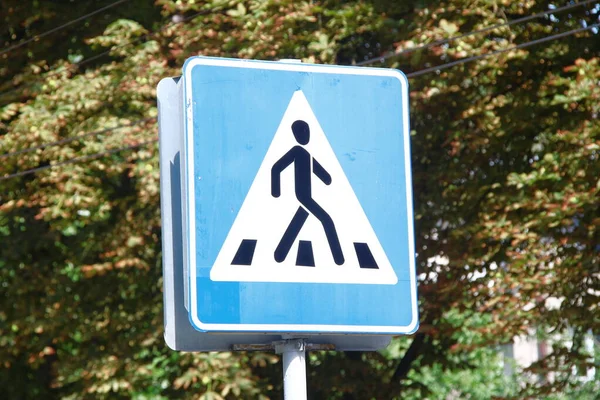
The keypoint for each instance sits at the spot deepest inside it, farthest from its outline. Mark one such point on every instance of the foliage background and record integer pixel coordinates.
(506, 178)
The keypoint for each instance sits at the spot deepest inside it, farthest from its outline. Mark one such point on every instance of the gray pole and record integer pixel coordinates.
(294, 368)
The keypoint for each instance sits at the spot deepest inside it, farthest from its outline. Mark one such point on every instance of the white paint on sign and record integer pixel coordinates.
(311, 230)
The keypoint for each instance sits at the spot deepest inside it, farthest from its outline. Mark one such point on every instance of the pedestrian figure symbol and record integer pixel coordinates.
(302, 161)
(300, 202)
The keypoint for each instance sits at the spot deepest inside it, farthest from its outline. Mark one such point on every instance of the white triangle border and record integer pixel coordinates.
(267, 270)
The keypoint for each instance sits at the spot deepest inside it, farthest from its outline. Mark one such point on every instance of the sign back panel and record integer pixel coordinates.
(178, 331)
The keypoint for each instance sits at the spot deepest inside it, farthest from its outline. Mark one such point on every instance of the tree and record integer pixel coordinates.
(505, 164)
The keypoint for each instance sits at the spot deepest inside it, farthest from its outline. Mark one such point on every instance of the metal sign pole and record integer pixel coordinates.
(293, 351)
(294, 368)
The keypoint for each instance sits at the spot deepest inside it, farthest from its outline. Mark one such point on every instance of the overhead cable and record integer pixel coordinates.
(58, 28)
(409, 75)
(102, 54)
(74, 138)
(493, 53)
(78, 160)
(476, 32)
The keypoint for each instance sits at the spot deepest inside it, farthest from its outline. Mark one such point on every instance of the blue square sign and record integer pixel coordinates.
(298, 209)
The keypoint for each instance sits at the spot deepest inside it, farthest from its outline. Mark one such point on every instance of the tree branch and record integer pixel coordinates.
(411, 354)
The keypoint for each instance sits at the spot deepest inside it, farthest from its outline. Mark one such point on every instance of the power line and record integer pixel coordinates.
(476, 32)
(410, 75)
(362, 63)
(78, 160)
(102, 54)
(58, 28)
(493, 53)
(74, 138)
(97, 56)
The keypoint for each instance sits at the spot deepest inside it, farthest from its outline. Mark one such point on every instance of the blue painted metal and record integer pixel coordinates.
(237, 107)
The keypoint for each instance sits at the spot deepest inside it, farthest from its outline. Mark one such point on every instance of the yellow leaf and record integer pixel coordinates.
(450, 27)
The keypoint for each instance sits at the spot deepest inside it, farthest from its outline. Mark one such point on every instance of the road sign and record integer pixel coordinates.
(298, 202)
(178, 331)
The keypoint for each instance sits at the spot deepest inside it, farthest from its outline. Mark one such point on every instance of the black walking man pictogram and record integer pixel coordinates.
(301, 159)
